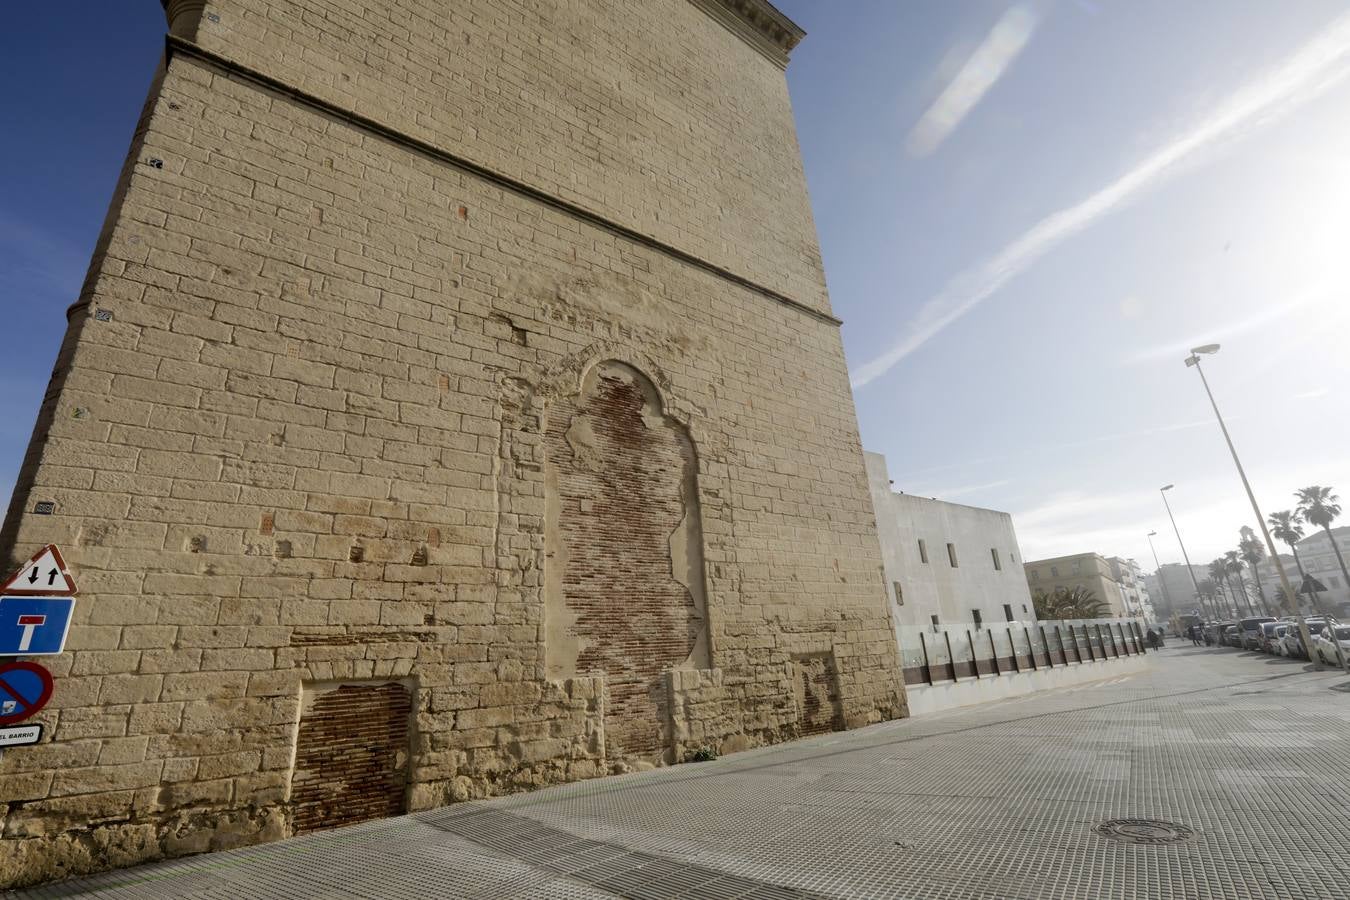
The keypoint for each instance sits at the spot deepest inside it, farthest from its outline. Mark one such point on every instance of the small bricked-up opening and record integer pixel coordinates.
(816, 682)
(351, 760)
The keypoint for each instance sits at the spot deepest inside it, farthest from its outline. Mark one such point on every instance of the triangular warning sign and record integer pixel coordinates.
(44, 575)
(1312, 585)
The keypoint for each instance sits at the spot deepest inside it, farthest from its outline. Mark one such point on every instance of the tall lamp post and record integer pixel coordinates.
(1158, 567)
(1193, 361)
(1190, 570)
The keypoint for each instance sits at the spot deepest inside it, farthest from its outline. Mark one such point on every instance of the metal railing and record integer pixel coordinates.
(938, 653)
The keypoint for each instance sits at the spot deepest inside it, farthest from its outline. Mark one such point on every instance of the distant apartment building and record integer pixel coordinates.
(1319, 560)
(946, 563)
(1130, 577)
(1090, 571)
(1173, 589)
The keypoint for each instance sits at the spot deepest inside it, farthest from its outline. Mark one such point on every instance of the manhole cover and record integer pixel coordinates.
(1144, 831)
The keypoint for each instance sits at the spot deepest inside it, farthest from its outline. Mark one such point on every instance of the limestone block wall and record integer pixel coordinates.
(650, 114)
(318, 368)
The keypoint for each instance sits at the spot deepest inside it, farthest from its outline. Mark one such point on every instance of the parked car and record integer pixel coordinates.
(1277, 646)
(1293, 642)
(1340, 634)
(1232, 635)
(1267, 636)
(1251, 631)
(1212, 630)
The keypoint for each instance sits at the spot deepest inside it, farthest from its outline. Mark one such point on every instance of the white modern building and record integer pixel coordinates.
(946, 562)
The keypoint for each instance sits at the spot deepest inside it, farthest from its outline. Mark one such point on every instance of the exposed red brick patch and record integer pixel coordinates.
(351, 758)
(817, 693)
(619, 483)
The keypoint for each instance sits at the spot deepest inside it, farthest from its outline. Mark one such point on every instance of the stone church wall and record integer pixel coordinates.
(342, 427)
(650, 114)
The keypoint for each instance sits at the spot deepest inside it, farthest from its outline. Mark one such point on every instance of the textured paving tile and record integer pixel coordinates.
(997, 801)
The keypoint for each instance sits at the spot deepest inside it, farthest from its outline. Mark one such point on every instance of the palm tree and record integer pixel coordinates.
(1285, 526)
(1320, 507)
(1253, 552)
(1285, 600)
(1069, 603)
(1218, 572)
(1233, 566)
(1209, 590)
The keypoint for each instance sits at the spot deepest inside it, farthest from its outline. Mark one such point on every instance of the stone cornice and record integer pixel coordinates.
(757, 23)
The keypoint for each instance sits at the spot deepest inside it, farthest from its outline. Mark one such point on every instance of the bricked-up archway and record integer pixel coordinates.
(624, 577)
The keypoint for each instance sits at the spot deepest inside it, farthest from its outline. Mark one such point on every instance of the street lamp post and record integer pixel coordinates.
(1190, 570)
(1158, 567)
(1290, 598)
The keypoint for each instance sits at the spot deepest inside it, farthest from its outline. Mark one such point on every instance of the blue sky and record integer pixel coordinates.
(1110, 182)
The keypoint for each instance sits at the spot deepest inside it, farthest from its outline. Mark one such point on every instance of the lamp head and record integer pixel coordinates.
(1153, 534)
(1206, 349)
(1167, 487)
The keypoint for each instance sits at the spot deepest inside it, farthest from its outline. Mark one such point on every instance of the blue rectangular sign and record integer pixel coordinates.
(34, 626)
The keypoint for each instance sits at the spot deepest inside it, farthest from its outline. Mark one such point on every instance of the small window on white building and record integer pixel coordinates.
(979, 620)
(899, 594)
(951, 554)
(923, 551)
(1054, 571)
(935, 621)
(1007, 611)
(998, 564)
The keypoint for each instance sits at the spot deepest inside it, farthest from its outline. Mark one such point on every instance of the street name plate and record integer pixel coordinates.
(20, 735)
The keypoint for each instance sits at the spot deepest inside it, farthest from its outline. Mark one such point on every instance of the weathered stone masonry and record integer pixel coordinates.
(465, 370)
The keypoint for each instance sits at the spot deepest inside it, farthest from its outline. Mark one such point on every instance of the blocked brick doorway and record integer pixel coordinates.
(816, 682)
(351, 760)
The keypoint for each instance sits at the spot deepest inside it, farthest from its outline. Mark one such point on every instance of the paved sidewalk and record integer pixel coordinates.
(1250, 754)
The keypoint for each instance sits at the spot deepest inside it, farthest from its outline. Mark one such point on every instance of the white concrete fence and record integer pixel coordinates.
(965, 663)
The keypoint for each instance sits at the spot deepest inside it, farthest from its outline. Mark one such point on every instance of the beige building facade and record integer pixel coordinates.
(453, 407)
(1090, 571)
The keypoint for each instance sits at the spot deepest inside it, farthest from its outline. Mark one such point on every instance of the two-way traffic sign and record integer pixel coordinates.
(34, 626)
(45, 575)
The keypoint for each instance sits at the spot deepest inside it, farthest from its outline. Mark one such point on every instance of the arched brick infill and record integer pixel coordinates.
(631, 578)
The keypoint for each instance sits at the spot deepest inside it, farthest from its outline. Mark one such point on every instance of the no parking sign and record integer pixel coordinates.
(25, 688)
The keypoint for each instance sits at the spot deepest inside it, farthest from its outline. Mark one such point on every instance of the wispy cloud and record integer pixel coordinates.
(948, 493)
(986, 66)
(1257, 320)
(1138, 433)
(1318, 65)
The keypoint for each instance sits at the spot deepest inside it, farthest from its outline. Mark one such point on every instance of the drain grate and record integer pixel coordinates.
(1144, 831)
